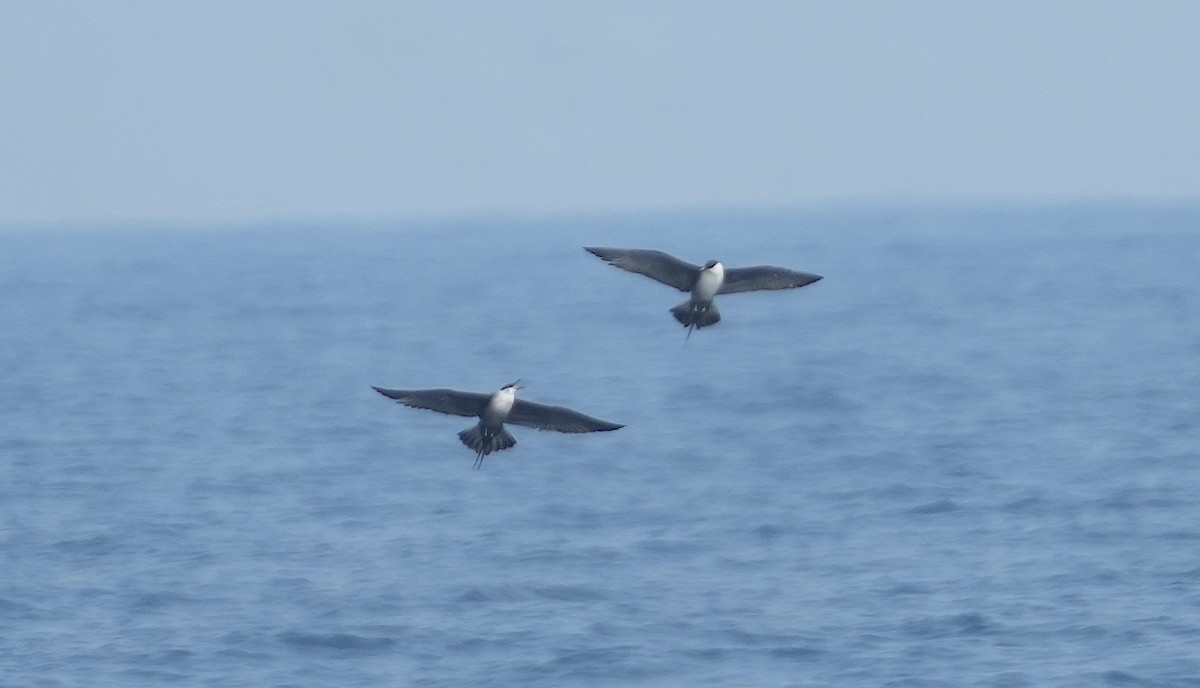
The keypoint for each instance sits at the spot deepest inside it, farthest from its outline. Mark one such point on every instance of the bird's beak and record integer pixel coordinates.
(517, 384)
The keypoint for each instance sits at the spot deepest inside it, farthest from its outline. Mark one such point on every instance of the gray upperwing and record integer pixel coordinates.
(448, 401)
(560, 418)
(656, 265)
(761, 277)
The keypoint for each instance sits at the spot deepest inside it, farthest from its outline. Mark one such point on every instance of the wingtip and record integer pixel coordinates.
(809, 278)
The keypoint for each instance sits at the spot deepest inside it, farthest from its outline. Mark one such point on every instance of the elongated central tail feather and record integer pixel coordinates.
(484, 439)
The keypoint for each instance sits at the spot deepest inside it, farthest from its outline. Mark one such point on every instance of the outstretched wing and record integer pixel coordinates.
(441, 400)
(656, 265)
(764, 277)
(562, 419)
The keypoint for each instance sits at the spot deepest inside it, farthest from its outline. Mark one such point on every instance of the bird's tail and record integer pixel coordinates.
(691, 314)
(484, 440)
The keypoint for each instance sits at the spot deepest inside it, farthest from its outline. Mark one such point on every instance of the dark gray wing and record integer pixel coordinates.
(441, 400)
(562, 419)
(764, 277)
(656, 265)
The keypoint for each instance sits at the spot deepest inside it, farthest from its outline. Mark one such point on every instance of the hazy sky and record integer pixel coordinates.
(244, 111)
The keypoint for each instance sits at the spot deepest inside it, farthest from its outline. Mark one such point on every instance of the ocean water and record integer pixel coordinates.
(970, 456)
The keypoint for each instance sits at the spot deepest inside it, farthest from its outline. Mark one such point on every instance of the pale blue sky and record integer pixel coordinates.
(240, 112)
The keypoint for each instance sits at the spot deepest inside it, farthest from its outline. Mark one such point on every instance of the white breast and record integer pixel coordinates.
(708, 283)
(499, 405)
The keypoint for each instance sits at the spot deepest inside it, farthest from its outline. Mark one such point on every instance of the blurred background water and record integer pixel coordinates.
(968, 457)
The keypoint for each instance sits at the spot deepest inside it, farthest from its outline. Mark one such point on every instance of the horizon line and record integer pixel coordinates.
(430, 220)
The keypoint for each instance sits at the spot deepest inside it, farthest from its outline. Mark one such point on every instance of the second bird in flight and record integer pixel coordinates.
(704, 283)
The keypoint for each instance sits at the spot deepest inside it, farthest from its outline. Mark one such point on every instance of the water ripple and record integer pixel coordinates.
(966, 624)
(337, 642)
(938, 506)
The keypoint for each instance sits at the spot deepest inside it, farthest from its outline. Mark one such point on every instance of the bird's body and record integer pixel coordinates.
(699, 310)
(708, 282)
(500, 405)
(702, 283)
(494, 410)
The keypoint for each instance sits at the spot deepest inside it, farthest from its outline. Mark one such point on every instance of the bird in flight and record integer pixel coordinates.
(703, 283)
(493, 411)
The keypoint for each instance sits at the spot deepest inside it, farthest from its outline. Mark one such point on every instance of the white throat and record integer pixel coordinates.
(708, 283)
(500, 404)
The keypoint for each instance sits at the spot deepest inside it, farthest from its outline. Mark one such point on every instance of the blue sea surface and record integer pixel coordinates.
(970, 456)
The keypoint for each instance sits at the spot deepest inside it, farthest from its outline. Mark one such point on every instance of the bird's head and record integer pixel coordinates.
(711, 264)
(514, 386)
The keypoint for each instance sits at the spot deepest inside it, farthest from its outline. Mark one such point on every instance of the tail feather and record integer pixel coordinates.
(691, 314)
(483, 440)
